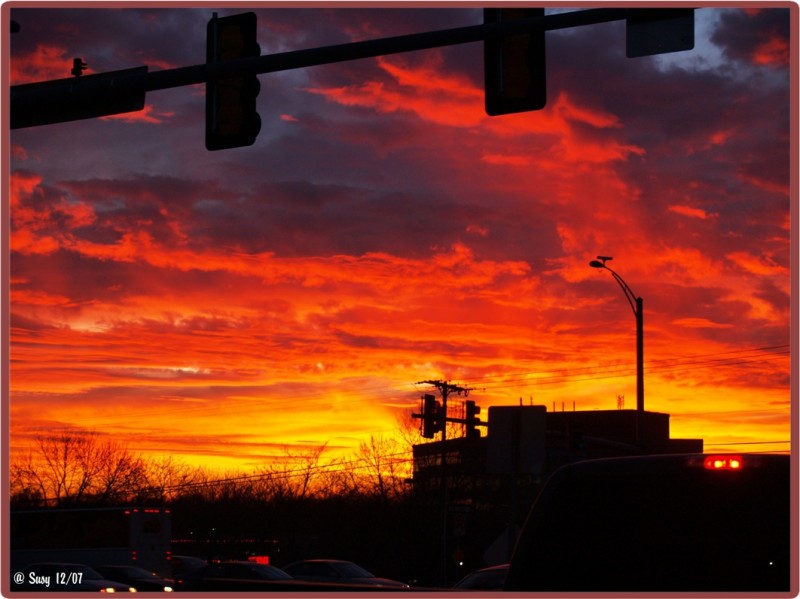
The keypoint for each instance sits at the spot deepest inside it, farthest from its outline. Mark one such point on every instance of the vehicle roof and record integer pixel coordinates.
(340, 561)
(490, 568)
(59, 564)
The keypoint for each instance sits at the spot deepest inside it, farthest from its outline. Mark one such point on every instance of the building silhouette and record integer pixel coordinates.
(531, 440)
(480, 488)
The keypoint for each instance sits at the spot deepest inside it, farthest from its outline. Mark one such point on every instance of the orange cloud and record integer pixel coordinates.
(700, 323)
(759, 265)
(690, 212)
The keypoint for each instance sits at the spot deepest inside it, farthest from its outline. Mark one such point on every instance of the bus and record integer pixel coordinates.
(135, 536)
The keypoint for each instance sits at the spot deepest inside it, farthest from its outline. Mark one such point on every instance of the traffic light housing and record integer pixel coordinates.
(432, 421)
(471, 418)
(231, 117)
(514, 65)
(659, 31)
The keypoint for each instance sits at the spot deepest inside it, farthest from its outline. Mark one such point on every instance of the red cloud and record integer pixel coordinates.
(41, 225)
(423, 90)
(147, 115)
(45, 63)
(774, 52)
(439, 97)
(691, 212)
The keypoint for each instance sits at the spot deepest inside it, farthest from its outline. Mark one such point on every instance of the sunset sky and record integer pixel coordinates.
(383, 230)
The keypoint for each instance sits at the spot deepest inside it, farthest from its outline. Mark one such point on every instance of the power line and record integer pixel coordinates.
(342, 466)
(747, 443)
(675, 364)
(723, 413)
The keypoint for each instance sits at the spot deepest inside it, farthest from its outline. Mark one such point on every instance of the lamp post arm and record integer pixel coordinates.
(637, 305)
(629, 294)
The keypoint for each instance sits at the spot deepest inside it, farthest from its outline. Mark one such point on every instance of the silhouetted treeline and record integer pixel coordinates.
(298, 507)
(71, 469)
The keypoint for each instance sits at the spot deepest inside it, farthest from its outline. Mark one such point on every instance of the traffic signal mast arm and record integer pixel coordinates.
(471, 416)
(296, 59)
(31, 98)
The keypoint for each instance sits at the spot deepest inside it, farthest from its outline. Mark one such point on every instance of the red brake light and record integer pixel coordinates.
(724, 462)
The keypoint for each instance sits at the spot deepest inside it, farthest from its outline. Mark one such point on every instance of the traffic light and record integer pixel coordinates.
(471, 418)
(231, 117)
(514, 65)
(659, 31)
(432, 422)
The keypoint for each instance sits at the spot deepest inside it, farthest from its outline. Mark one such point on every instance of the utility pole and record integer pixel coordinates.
(445, 389)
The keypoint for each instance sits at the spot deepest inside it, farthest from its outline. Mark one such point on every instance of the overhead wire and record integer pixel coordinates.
(674, 364)
(335, 466)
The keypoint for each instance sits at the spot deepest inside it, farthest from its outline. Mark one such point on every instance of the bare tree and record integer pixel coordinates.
(55, 468)
(338, 480)
(408, 432)
(25, 487)
(308, 470)
(295, 475)
(119, 475)
(386, 465)
(167, 478)
(69, 468)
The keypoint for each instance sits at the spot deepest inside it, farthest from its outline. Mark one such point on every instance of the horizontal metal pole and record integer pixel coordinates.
(43, 95)
(379, 47)
(87, 96)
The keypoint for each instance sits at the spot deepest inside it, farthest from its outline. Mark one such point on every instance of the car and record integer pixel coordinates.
(60, 577)
(694, 523)
(139, 578)
(486, 579)
(337, 571)
(232, 575)
(181, 564)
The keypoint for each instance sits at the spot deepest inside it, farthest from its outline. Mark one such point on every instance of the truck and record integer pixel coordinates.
(134, 536)
(668, 523)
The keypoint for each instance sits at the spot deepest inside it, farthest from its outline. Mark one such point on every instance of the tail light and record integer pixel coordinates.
(723, 462)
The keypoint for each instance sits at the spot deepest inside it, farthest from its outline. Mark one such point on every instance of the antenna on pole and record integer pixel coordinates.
(445, 389)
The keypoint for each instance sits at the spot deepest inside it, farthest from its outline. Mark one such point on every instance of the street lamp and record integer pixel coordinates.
(636, 305)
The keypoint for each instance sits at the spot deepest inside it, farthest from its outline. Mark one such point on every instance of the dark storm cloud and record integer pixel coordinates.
(707, 140)
(166, 36)
(755, 36)
(581, 64)
(64, 274)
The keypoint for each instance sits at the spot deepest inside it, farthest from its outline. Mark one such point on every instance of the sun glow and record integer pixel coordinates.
(232, 307)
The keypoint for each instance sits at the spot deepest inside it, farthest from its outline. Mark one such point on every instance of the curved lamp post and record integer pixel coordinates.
(636, 305)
